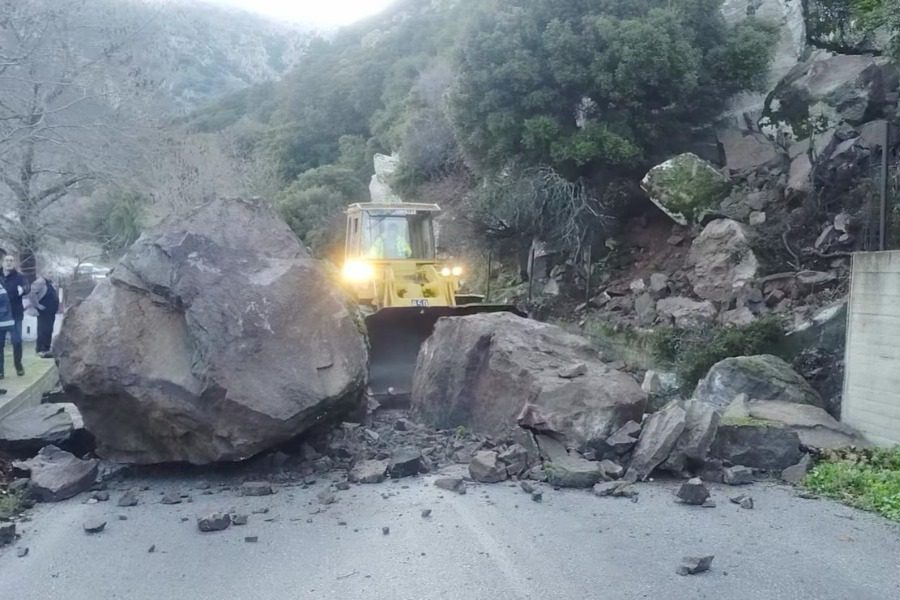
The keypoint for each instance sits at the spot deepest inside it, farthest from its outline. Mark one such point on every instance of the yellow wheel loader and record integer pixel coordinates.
(391, 269)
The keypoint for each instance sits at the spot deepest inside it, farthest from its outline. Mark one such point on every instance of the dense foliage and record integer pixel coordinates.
(867, 479)
(490, 90)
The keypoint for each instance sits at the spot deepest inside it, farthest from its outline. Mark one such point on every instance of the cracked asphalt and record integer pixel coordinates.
(491, 543)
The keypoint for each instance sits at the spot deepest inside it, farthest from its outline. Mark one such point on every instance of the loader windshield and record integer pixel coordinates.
(398, 236)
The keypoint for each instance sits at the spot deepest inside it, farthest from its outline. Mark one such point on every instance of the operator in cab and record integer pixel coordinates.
(391, 243)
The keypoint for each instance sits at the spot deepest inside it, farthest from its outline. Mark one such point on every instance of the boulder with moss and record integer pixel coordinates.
(685, 186)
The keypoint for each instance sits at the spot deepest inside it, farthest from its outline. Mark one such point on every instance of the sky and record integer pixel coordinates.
(323, 13)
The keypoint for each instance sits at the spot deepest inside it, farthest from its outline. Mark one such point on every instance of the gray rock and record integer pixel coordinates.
(171, 498)
(326, 497)
(760, 377)
(757, 446)
(169, 361)
(496, 400)
(251, 539)
(406, 462)
(486, 468)
(744, 501)
(94, 525)
(611, 470)
(795, 474)
(516, 460)
(239, 519)
(256, 488)
(686, 313)
(22, 552)
(723, 261)
(693, 491)
(737, 475)
(616, 489)
(369, 471)
(685, 186)
(645, 309)
(816, 428)
(527, 487)
(691, 565)
(31, 428)
(100, 496)
(573, 472)
(128, 499)
(573, 371)
(659, 435)
(57, 475)
(749, 151)
(692, 447)
(451, 484)
(652, 383)
(659, 285)
(214, 522)
(7, 533)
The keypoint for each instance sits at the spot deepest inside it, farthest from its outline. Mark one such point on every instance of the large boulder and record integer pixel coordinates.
(760, 377)
(58, 475)
(685, 186)
(659, 434)
(750, 151)
(31, 428)
(686, 313)
(692, 446)
(759, 446)
(214, 339)
(723, 262)
(493, 373)
(380, 189)
(815, 427)
(834, 89)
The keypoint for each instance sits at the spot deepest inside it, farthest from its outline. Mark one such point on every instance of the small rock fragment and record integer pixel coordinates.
(795, 474)
(486, 468)
(747, 503)
(214, 522)
(239, 519)
(101, 496)
(616, 489)
(693, 492)
(369, 471)
(426, 513)
(537, 496)
(326, 497)
(256, 488)
(22, 552)
(406, 462)
(573, 371)
(527, 487)
(691, 565)
(385, 530)
(129, 498)
(151, 549)
(251, 539)
(171, 498)
(451, 484)
(7, 533)
(94, 526)
(342, 486)
(611, 469)
(737, 475)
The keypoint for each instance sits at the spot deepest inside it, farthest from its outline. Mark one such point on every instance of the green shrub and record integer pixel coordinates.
(692, 353)
(869, 480)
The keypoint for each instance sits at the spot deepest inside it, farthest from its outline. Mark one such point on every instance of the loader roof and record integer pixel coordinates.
(387, 206)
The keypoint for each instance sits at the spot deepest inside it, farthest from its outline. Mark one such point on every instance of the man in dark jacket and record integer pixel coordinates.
(16, 287)
(44, 299)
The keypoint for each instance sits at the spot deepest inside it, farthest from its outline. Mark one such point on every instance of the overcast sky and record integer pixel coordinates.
(317, 12)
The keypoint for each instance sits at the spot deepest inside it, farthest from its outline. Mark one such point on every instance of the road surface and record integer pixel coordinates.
(492, 543)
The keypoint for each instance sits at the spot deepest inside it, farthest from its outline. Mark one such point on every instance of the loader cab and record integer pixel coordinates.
(391, 232)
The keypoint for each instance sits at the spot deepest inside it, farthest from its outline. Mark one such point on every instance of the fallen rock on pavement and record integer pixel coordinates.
(815, 427)
(94, 525)
(795, 474)
(170, 359)
(573, 472)
(769, 448)
(406, 462)
(616, 489)
(691, 565)
(743, 500)
(369, 471)
(496, 399)
(451, 484)
(214, 522)
(256, 488)
(693, 491)
(57, 475)
(659, 435)
(486, 468)
(31, 428)
(737, 475)
(691, 448)
(7, 533)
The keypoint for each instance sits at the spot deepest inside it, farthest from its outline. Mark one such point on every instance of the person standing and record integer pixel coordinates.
(6, 325)
(44, 299)
(16, 286)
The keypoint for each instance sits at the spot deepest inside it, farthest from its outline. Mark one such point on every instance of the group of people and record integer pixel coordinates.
(17, 293)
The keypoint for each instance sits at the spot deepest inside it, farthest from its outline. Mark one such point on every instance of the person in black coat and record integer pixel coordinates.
(16, 287)
(44, 299)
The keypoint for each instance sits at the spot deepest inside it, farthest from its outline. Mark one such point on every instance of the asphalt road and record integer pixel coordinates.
(492, 543)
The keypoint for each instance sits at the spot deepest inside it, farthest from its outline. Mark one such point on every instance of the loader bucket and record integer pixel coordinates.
(395, 336)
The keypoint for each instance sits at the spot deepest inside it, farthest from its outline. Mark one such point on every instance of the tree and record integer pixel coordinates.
(587, 86)
(61, 120)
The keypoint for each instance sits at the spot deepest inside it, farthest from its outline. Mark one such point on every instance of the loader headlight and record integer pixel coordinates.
(457, 271)
(357, 271)
(446, 272)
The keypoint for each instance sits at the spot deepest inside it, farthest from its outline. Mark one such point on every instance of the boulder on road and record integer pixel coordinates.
(760, 377)
(693, 491)
(816, 428)
(692, 446)
(495, 373)
(58, 475)
(215, 338)
(757, 446)
(659, 435)
(31, 428)
(573, 472)
(369, 471)
(486, 468)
